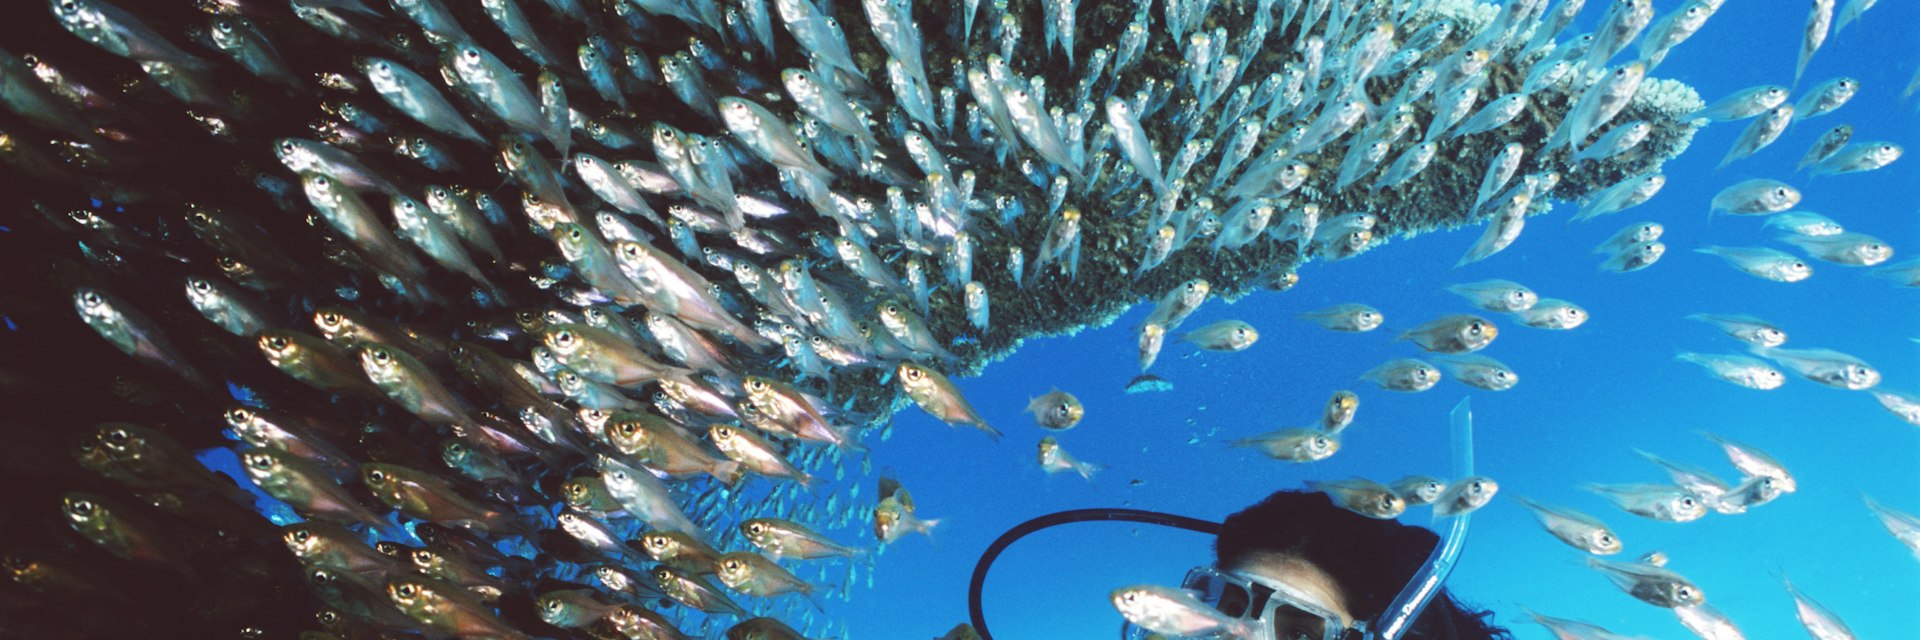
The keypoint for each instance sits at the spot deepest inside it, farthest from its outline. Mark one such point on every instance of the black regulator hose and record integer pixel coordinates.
(1056, 519)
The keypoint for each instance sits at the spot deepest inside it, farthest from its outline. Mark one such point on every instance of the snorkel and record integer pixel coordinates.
(1392, 624)
(1406, 607)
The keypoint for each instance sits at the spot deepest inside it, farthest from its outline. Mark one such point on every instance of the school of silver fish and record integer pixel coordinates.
(570, 318)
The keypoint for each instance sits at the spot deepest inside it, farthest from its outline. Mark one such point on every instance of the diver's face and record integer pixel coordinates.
(1307, 583)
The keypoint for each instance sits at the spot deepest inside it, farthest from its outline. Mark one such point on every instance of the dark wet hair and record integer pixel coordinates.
(1370, 560)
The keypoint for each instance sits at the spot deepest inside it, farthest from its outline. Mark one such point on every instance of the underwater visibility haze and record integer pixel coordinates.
(763, 318)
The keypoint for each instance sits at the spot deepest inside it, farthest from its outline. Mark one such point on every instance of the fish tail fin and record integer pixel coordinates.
(727, 472)
(925, 527)
(1087, 469)
(991, 432)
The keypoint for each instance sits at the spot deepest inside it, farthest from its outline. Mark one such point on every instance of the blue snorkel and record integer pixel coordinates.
(1392, 624)
(1406, 607)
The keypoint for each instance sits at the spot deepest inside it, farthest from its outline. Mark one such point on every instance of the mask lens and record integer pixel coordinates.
(1293, 623)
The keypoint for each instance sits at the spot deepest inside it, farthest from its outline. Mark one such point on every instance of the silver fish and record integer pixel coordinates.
(1634, 257)
(1403, 374)
(1825, 366)
(1293, 444)
(1362, 496)
(1674, 28)
(1828, 144)
(1479, 371)
(1616, 141)
(1550, 313)
(1819, 19)
(1744, 328)
(1743, 104)
(1747, 372)
(1665, 503)
(1631, 235)
(1806, 223)
(1859, 156)
(1653, 585)
(1760, 133)
(1503, 296)
(1758, 196)
(1761, 262)
(1621, 196)
(1353, 317)
(1825, 97)
(1904, 405)
(1847, 248)
(1581, 531)
(1465, 496)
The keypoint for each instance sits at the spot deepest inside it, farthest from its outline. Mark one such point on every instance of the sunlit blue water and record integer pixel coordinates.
(1587, 398)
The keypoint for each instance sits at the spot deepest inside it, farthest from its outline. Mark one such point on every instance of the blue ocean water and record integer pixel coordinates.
(1587, 398)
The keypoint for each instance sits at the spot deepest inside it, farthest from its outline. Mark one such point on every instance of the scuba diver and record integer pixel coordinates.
(1299, 567)
(1295, 566)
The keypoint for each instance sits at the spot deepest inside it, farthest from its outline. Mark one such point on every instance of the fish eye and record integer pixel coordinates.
(82, 507)
(756, 385)
(90, 298)
(733, 565)
(202, 286)
(377, 476)
(223, 25)
(574, 234)
(381, 355)
(722, 433)
(756, 528)
(1606, 540)
(301, 535)
(118, 436)
(1686, 503)
(471, 54)
(259, 461)
(422, 556)
(564, 337)
(1799, 265)
(407, 590)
